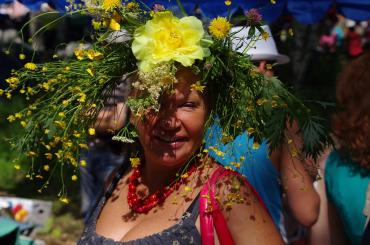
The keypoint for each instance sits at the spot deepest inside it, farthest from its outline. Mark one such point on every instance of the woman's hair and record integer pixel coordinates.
(352, 123)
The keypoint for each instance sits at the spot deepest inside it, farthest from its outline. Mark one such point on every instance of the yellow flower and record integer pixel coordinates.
(11, 118)
(64, 200)
(83, 146)
(219, 27)
(17, 167)
(111, 4)
(48, 156)
(44, 69)
(90, 71)
(135, 162)
(30, 66)
(61, 114)
(74, 177)
(255, 146)
(22, 56)
(46, 131)
(250, 130)
(132, 6)
(114, 25)
(1, 92)
(46, 168)
(96, 24)
(197, 87)
(18, 115)
(24, 124)
(268, 66)
(168, 38)
(265, 35)
(94, 55)
(290, 31)
(82, 98)
(227, 3)
(31, 154)
(91, 131)
(79, 54)
(83, 163)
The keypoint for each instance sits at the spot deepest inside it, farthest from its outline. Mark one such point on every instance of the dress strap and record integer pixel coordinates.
(193, 209)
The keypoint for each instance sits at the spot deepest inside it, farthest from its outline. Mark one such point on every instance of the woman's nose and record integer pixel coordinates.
(168, 123)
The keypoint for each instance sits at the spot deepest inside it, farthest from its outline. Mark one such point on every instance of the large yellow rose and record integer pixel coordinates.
(167, 38)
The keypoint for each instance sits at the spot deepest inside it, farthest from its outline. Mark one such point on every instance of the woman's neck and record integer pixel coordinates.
(155, 175)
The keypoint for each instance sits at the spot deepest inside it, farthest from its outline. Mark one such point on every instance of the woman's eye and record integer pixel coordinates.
(189, 105)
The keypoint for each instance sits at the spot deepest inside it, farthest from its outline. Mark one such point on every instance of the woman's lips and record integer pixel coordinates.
(170, 142)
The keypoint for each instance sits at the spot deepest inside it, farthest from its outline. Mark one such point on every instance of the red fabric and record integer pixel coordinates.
(215, 218)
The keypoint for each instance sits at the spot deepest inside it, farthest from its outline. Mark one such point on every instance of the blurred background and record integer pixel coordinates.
(320, 38)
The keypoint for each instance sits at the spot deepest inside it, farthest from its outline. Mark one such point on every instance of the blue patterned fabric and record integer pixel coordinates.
(256, 167)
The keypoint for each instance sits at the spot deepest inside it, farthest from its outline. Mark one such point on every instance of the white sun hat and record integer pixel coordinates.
(261, 49)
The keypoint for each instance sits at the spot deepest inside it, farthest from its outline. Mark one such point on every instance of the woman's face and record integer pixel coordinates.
(171, 137)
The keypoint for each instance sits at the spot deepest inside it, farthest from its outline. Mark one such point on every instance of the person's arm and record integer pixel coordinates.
(248, 222)
(111, 118)
(302, 198)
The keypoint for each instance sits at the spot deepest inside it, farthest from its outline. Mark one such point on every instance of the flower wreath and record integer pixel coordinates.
(65, 96)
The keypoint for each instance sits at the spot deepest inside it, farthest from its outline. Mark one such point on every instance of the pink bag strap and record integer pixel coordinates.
(210, 213)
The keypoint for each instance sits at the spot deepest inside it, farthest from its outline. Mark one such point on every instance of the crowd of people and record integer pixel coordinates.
(282, 196)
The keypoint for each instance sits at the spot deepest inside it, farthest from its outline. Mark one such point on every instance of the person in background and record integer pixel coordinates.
(269, 174)
(346, 193)
(103, 154)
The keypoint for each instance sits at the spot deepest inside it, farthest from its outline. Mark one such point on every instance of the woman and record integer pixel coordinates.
(168, 141)
(346, 173)
(185, 77)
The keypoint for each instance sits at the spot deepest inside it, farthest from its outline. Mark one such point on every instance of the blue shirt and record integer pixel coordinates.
(255, 165)
(346, 184)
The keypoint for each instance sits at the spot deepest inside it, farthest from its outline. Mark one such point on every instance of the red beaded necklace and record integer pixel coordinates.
(146, 204)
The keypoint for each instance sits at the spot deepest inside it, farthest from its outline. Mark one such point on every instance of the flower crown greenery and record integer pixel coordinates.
(65, 96)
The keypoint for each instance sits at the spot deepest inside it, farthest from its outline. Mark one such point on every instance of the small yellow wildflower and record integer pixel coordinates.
(250, 130)
(17, 167)
(82, 98)
(242, 158)
(76, 134)
(46, 131)
(135, 162)
(22, 91)
(74, 177)
(83, 163)
(48, 156)
(23, 123)
(94, 55)
(80, 54)
(265, 35)
(64, 200)
(30, 66)
(96, 24)
(290, 31)
(219, 27)
(114, 25)
(274, 104)
(261, 101)
(46, 86)
(46, 168)
(1, 92)
(31, 154)
(90, 71)
(61, 114)
(83, 146)
(132, 6)
(91, 131)
(197, 87)
(110, 4)
(44, 69)
(11, 118)
(18, 115)
(227, 3)
(55, 56)
(255, 146)
(22, 56)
